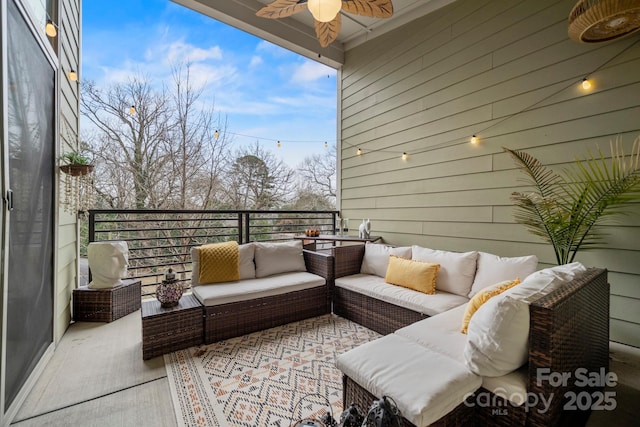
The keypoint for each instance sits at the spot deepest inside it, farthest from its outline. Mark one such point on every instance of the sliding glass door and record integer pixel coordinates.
(29, 163)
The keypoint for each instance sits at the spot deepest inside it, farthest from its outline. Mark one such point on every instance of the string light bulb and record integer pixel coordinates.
(73, 76)
(279, 144)
(324, 10)
(50, 28)
(474, 139)
(586, 84)
(132, 109)
(405, 156)
(216, 134)
(359, 152)
(326, 144)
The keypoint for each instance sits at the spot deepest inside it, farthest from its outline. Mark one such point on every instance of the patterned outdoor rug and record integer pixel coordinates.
(257, 379)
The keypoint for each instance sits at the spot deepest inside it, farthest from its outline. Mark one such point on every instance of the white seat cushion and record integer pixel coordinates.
(457, 270)
(376, 287)
(512, 386)
(244, 290)
(493, 269)
(424, 384)
(440, 333)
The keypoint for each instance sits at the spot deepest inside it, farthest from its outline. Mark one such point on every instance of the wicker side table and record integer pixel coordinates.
(169, 329)
(106, 305)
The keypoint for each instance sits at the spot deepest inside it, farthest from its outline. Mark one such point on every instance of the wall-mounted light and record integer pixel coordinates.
(73, 76)
(474, 139)
(359, 152)
(405, 156)
(324, 10)
(586, 84)
(132, 109)
(50, 28)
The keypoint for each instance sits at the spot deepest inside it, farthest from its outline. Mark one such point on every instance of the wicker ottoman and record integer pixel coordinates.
(169, 329)
(106, 305)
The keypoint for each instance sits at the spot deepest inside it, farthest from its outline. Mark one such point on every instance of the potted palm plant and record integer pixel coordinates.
(563, 209)
(75, 164)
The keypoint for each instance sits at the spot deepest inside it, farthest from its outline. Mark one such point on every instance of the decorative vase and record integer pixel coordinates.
(169, 291)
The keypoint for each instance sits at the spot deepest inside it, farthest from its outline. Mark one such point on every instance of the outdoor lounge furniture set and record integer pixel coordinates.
(554, 324)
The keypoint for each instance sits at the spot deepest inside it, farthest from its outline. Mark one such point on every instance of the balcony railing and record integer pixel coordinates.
(162, 239)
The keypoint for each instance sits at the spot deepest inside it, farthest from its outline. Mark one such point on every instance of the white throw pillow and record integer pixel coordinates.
(247, 267)
(376, 258)
(493, 269)
(276, 258)
(457, 270)
(498, 337)
(543, 282)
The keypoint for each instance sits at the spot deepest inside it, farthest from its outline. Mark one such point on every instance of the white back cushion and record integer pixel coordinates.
(493, 269)
(247, 266)
(276, 258)
(457, 270)
(498, 337)
(376, 258)
(545, 281)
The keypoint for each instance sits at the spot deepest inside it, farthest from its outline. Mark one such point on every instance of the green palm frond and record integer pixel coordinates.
(563, 209)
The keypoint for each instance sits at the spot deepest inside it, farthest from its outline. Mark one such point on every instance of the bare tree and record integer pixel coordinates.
(318, 175)
(168, 144)
(132, 123)
(257, 180)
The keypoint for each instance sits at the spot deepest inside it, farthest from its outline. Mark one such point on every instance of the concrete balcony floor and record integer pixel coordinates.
(97, 377)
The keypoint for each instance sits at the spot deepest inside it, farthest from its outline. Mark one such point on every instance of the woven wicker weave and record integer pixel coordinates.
(569, 330)
(169, 329)
(239, 318)
(106, 305)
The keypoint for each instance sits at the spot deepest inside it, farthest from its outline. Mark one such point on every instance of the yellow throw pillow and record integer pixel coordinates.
(483, 296)
(219, 262)
(417, 275)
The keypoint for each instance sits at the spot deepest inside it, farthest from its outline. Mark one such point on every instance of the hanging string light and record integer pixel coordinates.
(73, 76)
(278, 144)
(326, 144)
(474, 139)
(50, 28)
(359, 152)
(216, 134)
(586, 84)
(405, 156)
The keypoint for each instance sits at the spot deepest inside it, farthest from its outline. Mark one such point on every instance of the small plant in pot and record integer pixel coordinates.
(75, 163)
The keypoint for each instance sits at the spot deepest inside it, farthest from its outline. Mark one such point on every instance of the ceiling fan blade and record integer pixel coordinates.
(371, 8)
(281, 9)
(327, 32)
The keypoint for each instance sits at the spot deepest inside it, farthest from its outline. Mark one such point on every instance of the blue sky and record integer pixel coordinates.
(265, 91)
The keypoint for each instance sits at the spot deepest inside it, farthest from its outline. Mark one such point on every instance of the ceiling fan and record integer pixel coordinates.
(326, 13)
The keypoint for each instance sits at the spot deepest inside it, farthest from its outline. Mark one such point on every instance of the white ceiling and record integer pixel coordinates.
(297, 33)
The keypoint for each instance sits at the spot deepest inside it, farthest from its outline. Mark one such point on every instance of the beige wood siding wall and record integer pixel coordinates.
(472, 68)
(67, 253)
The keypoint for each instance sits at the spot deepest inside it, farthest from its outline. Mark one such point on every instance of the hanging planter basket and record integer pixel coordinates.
(77, 170)
(596, 21)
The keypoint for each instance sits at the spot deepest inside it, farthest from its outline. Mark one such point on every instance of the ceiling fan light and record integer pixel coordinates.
(324, 10)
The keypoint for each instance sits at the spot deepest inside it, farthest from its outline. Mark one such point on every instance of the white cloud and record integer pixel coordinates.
(183, 52)
(256, 61)
(310, 71)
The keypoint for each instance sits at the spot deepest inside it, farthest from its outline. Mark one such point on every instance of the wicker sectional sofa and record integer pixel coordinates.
(269, 294)
(434, 372)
